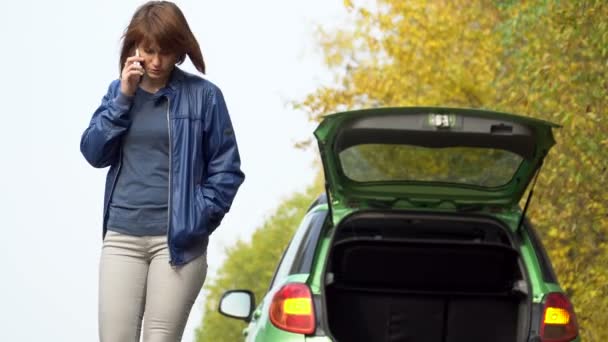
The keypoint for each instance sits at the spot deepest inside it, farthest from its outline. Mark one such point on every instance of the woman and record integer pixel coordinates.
(174, 172)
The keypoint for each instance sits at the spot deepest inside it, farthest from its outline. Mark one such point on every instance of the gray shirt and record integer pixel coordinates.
(139, 203)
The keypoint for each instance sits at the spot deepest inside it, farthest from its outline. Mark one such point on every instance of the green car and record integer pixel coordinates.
(419, 236)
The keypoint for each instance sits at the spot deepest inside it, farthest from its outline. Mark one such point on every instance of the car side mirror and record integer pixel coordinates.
(237, 304)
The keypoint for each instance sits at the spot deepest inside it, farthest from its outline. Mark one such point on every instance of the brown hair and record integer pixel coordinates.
(163, 23)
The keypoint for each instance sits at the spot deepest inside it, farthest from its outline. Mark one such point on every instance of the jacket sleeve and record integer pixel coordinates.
(100, 142)
(223, 175)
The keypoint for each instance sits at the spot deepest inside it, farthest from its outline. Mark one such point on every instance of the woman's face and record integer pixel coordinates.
(158, 63)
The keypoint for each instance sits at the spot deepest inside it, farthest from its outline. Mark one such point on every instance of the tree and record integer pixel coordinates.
(408, 53)
(554, 68)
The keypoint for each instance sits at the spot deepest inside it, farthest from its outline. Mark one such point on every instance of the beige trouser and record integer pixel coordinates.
(136, 282)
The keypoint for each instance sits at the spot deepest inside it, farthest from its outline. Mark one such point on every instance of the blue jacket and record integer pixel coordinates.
(204, 161)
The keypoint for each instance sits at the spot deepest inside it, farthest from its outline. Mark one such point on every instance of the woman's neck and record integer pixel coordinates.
(153, 85)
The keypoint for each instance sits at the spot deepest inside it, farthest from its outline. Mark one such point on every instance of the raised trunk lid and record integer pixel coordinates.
(422, 156)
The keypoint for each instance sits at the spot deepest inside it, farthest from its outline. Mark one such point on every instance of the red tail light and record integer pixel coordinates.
(558, 322)
(292, 310)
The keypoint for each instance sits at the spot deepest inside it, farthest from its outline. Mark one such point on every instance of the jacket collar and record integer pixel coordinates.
(177, 75)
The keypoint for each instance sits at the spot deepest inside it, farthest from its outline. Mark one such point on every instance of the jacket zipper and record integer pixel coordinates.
(171, 258)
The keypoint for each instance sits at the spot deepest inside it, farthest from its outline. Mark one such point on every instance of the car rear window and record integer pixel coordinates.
(476, 166)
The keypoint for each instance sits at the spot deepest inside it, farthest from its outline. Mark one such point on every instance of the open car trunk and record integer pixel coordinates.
(419, 278)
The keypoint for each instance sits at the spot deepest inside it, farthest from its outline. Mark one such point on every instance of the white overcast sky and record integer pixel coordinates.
(57, 59)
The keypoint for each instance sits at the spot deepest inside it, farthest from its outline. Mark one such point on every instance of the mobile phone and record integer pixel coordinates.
(137, 54)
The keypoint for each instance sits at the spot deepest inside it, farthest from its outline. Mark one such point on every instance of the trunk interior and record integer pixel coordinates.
(409, 278)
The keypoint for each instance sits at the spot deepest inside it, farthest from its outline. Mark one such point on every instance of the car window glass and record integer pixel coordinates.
(285, 265)
(541, 254)
(485, 167)
(304, 256)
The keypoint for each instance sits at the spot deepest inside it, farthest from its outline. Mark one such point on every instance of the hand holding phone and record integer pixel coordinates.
(131, 74)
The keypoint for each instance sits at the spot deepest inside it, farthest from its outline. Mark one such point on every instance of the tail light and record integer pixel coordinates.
(559, 321)
(291, 309)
